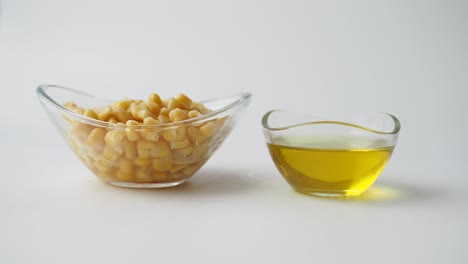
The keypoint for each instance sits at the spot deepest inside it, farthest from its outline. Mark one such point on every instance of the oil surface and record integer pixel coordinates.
(334, 166)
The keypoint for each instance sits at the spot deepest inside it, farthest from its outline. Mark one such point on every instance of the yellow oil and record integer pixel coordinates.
(331, 166)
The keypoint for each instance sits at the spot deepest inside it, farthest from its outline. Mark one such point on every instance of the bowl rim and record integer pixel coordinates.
(394, 131)
(41, 91)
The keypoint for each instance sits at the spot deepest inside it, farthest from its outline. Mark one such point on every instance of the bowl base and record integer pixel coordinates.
(146, 185)
(329, 193)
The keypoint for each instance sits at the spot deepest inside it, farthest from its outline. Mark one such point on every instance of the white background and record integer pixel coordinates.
(409, 58)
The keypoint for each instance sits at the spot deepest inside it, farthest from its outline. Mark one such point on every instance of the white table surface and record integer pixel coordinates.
(408, 58)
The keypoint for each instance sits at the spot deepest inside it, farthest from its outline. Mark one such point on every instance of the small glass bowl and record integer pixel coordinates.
(150, 161)
(330, 155)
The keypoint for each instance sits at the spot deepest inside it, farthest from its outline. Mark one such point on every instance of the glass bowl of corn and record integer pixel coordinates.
(151, 143)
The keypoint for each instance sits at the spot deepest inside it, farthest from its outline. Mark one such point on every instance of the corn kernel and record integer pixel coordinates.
(177, 115)
(124, 104)
(164, 111)
(115, 140)
(182, 155)
(105, 113)
(110, 154)
(160, 176)
(190, 169)
(121, 115)
(137, 107)
(160, 149)
(154, 108)
(154, 98)
(184, 101)
(124, 176)
(180, 144)
(161, 164)
(80, 132)
(193, 114)
(143, 175)
(132, 134)
(169, 134)
(172, 103)
(140, 162)
(90, 113)
(150, 133)
(69, 105)
(144, 147)
(130, 150)
(105, 175)
(96, 138)
(200, 152)
(164, 119)
(104, 166)
(208, 129)
(195, 136)
(142, 114)
(221, 121)
(177, 167)
(126, 165)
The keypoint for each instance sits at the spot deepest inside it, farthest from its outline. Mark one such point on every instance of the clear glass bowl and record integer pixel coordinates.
(117, 160)
(338, 155)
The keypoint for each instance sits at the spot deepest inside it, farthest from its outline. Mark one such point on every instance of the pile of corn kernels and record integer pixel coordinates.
(137, 149)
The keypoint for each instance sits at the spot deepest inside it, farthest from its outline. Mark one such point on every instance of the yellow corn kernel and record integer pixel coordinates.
(160, 176)
(193, 114)
(164, 119)
(80, 132)
(184, 101)
(69, 105)
(200, 152)
(105, 175)
(161, 149)
(169, 134)
(150, 133)
(164, 111)
(121, 115)
(110, 154)
(151, 121)
(142, 162)
(114, 142)
(96, 138)
(208, 129)
(130, 150)
(200, 108)
(105, 113)
(135, 108)
(144, 113)
(126, 165)
(103, 165)
(154, 108)
(112, 120)
(221, 121)
(124, 176)
(124, 104)
(177, 115)
(132, 133)
(143, 175)
(182, 155)
(177, 167)
(180, 144)
(154, 98)
(144, 147)
(161, 164)
(190, 169)
(79, 110)
(172, 103)
(195, 136)
(90, 113)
